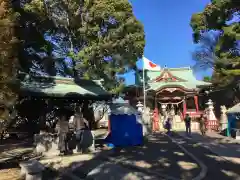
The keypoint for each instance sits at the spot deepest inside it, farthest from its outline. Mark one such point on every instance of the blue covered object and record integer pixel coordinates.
(233, 114)
(125, 130)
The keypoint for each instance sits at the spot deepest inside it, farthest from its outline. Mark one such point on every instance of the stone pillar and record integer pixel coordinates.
(223, 118)
(196, 103)
(145, 119)
(184, 108)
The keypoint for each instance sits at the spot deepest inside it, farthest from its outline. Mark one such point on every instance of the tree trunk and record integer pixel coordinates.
(88, 114)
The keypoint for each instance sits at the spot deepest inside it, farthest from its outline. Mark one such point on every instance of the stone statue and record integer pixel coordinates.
(223, 118)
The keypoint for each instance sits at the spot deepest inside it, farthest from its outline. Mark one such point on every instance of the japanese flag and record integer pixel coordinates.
(149, 65)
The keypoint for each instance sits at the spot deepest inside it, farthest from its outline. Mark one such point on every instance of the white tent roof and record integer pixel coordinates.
(234, 110)
(123, 108)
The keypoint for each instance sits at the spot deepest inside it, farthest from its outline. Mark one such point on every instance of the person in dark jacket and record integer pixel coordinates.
(188, 124)
(168, 125)
(80, 124)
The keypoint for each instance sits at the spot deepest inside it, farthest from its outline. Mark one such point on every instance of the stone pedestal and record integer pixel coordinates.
(31, 170)
(46, 144)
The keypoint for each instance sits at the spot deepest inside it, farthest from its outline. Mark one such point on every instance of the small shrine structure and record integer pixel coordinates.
(56, 87)
(58, 91)
(171, 91)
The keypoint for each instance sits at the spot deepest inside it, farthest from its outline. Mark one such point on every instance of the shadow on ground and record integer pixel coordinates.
(217, 166)
(158, 158)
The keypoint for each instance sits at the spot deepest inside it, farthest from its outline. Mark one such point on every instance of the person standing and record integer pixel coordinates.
(202, 124)
(168, 125)
(71, 136)
(62, 131)
(188, 124)
(80, 124)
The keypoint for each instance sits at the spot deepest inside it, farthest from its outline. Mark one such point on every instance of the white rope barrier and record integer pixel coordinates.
(173, 103)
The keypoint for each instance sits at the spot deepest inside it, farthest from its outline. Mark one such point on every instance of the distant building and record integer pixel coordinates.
(168, 89)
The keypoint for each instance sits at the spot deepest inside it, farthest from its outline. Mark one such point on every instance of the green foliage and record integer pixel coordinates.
(8, 63)
(207, 78)
(90, 32)
(226, 59)
(8, 58)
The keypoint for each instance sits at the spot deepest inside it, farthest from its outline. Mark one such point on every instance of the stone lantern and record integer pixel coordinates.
(164, 107)
(210, 113)
(212, 123)
(223, 118)
(139, 107)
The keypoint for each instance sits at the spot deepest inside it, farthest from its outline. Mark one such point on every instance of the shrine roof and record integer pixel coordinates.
(56, 86)
(157, 85)
(183, 77)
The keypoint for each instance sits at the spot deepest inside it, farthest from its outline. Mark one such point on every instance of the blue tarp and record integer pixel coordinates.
(125, 131)
(231, 123)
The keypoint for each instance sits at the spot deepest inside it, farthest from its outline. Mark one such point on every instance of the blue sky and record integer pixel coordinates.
(168, 33)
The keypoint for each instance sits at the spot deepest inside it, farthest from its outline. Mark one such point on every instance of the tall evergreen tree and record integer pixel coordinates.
(8, 62)
(102, 37)
(222, 54)
(8, 55)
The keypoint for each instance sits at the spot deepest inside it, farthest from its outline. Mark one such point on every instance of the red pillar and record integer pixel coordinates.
(155, 126)
(156, 120)
(196, 103)
(184, 108)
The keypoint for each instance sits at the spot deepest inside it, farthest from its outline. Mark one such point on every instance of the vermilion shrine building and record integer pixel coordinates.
(175, 91)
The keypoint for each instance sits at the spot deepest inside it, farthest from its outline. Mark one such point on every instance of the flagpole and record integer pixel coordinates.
(144, 95)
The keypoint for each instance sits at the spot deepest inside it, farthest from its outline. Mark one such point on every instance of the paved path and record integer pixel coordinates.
(218, 168)
(159, 158)
(225, 147)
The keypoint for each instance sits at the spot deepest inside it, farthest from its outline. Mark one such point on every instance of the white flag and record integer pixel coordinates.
(149, 65)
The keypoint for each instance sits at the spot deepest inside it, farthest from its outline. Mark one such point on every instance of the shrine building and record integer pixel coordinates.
(174, 91)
